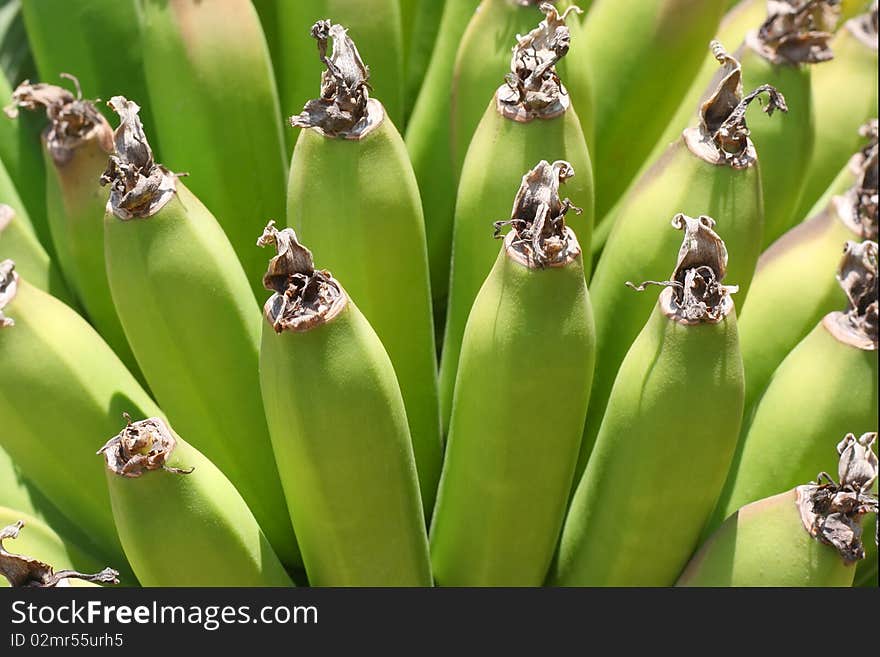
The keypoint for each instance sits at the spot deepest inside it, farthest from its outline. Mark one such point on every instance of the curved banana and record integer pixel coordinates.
(529, 119)
(355, 161)
(669, 432)
(521, 395)
(420, 22)
(339, 430)
(808, 536)
(826, 385)
(850, 173)
(712, 169)
(216, 112)
(181, 521)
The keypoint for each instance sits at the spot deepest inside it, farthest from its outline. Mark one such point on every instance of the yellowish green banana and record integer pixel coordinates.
(339, 429)
(808, 536)
(712, 169)
(528, 119)
(181, 521)
(50, 352)
(826, 386)
(668, 434)
(420, 21)
(216, 112)
(354, 199)
(521, 395)
(191, 320)
(39, 552)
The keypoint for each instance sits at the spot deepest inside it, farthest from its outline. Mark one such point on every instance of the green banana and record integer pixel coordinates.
(825, 385)
(808, 536)
(43, 547)
(510, 461)
(191, 319)
(216, 111)
(77, 142)
(483, 58)
(18, 242)
(669, 432)
(713, 169)
(355, 159)
(181, 521)
(374, 24)
(420, 30)
(430, 150)
(99, 39)
(339, 430)
(844, 97)
(528, 119)
(794, 286)
(637, 57)
(20, 155)
(50, 353)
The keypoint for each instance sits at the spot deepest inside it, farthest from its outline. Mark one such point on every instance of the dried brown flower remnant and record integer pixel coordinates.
(722, 136)
(532, 89)
(344, 108)
(8, 289)
(23, 571)
(796, 31)
(857, 275)
(140, 447)
(303, 296)
(695, 294)
(139, 187)
(832, 513)
(72, 120)
(540, 236)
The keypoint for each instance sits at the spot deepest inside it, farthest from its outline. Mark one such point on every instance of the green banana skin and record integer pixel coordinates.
(639, 244)
(514, 439)
(382, 258)
(340, 434)
(18, 242)
(429, 147)
(420, 35)
(482, 60)
(841, 183)
(99, 40)
(37, 540)
(657, 471)
(844, 96)
(181, 521)
(54, 354)
(375, 25)
(217, 114)
(823, 387)
(765, 544)
(635, 50)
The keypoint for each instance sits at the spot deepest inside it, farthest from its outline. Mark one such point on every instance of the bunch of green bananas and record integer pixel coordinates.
(418, 404)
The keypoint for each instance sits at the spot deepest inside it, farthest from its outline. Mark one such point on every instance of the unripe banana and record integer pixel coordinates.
(376, 27)
(509, 462)
(339, 430)
(844, 97)
(192, 321)
(51, 353)
(99, 39)
(713, 168)
(529, 119)
(42, 547)
(794, 286)
(430, 150)
(850, 173)
(826, 385)
(77, 142)
(19, 243)
(217, 114)
(181, 521)
(350, 155)
(420, 21)
(483, 58)
(668, 434)
(635, 59)
(808, 536)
